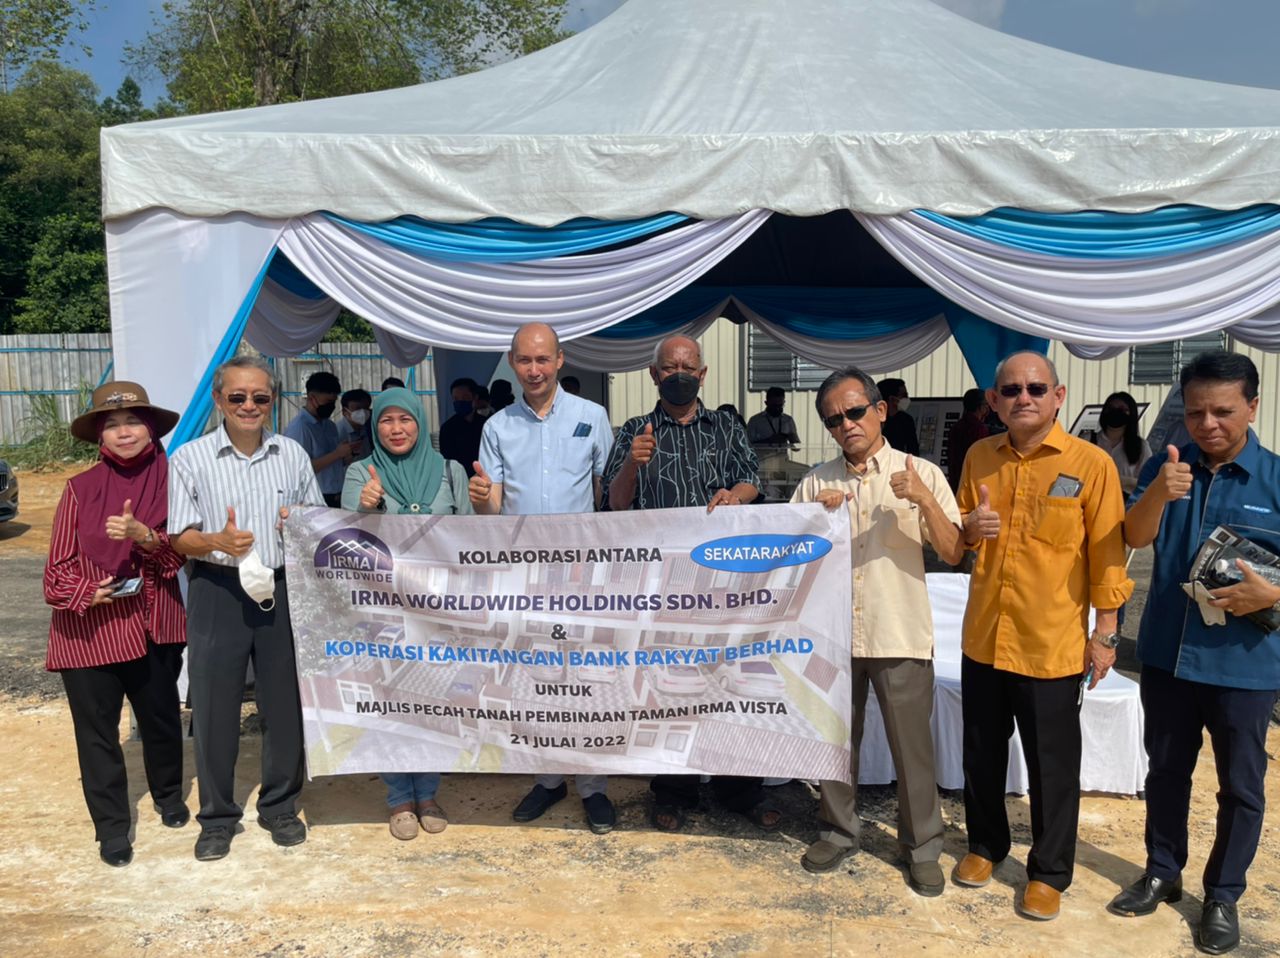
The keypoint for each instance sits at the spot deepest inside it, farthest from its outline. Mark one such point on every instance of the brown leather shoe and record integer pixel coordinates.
(1040, 902)
(973, 871)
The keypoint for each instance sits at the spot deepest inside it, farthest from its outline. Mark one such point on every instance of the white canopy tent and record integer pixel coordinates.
(713, 109)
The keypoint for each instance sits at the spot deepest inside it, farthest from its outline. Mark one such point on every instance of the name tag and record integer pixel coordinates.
(582, 429)
(1256, 508)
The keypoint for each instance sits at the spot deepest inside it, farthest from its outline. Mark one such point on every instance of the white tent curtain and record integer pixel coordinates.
(879, 354)
(1104, 306)
(480, 305)
(609, 355)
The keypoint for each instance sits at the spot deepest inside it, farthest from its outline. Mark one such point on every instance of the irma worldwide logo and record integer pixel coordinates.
(352, 553)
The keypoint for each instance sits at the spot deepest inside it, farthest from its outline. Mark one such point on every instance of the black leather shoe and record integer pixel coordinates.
(116, 852)
(286, 829)
(1219, 930)
(601, 816)
(1145, 895)
(175, 817)
(535, 804)
(213, 843)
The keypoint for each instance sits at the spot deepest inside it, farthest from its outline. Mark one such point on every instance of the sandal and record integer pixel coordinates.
(404, 823)
(759, 817)
(673, 815)
(432, 817)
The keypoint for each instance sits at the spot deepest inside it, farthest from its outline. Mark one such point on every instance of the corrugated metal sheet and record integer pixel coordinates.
(62, 365)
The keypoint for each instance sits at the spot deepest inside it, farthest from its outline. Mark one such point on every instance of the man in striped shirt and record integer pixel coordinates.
(228, 492)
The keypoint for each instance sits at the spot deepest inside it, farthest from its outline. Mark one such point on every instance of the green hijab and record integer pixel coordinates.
(413, 478)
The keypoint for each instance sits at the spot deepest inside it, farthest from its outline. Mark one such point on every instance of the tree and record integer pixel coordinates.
(66, 278)
(32, 30)
(227, 54)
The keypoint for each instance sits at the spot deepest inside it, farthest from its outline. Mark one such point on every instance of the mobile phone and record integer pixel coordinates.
(127, 588)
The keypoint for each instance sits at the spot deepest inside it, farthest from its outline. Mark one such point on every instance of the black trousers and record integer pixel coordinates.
(225, 631)
(96, 696)
(1047, 714)
(1176, 713)
(737, 793)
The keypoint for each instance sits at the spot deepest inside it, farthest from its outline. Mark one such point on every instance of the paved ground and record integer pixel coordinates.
(487, 886)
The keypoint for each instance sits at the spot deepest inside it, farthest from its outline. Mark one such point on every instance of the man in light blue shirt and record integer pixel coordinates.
(313, 428)
(545, 454)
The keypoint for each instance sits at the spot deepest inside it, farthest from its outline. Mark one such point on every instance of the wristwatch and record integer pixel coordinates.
(1110, 640)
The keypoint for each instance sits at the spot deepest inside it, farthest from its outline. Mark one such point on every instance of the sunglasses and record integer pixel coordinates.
(239, 399)
(853, 414)
(1037, 390)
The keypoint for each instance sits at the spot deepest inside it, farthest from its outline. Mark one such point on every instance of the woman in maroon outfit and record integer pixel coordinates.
(110, 528)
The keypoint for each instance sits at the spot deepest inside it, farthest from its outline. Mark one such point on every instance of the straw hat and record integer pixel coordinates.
(110, 397)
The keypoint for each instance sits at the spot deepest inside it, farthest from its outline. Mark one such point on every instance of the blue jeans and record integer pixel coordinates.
(404, 788)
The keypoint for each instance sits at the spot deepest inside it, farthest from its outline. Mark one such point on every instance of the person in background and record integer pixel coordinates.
(965, 431)
(732, 410)
(392, 382)
(1198, 676)
(484, 408)
(405, 476)
(110, 528)
(678, 455)
(500, 395)
(460, 433)
(895, 503)
(900, 426)
(772, 426)
(314, 430)
(1045, 513)
(545, 455)
(229, 492)
(353, 427)
(572, 385)
(1118, 435)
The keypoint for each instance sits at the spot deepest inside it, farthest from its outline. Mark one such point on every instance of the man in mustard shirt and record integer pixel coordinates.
(1044, 510)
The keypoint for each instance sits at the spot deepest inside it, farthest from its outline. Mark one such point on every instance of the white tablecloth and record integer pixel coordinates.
(1110, 719)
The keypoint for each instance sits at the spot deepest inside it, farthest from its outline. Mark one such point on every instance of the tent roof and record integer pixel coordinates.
(713, 107)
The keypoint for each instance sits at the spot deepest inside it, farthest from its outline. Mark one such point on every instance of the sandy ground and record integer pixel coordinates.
(487, 886)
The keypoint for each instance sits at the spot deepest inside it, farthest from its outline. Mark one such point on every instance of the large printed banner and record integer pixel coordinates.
(668, 641)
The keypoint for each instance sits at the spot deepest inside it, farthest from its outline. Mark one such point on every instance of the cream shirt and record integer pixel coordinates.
(891, 615)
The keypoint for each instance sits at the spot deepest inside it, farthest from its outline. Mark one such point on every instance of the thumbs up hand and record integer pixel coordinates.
(643, 446)
(908, 485)
(479, 488)
(371, 494)
(233, 540)
(1174, 478)
(983, 522)
(125, 526)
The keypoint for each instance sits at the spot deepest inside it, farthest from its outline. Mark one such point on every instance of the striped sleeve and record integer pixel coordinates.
(65, 586)
(184, 511)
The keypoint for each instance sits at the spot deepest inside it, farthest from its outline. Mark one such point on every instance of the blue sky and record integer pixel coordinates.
(1228, 40)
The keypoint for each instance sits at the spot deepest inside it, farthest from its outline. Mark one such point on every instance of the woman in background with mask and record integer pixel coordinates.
(1118, 435)
(404, 475)
(118, 625)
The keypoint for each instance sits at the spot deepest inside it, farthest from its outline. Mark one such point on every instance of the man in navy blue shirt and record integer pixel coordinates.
(1195, 675)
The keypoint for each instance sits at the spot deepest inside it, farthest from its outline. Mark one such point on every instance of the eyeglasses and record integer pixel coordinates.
(1011, 391)
(258, 399)
(853, 414)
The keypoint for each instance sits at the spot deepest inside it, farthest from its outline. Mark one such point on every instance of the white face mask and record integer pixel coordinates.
(359, 416)
(904, 404)
(258, 582)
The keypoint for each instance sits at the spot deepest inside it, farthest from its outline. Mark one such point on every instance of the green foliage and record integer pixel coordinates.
(349, 328)
(33, 30)
(47, 437)
(228, 54)
(66, 288)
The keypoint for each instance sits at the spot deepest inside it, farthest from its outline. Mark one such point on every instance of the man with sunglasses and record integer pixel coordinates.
(1044, 511)
(895, 503)
(228, 492)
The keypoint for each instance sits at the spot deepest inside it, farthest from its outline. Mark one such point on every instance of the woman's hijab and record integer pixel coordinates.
(412, 478)
(101, 492)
